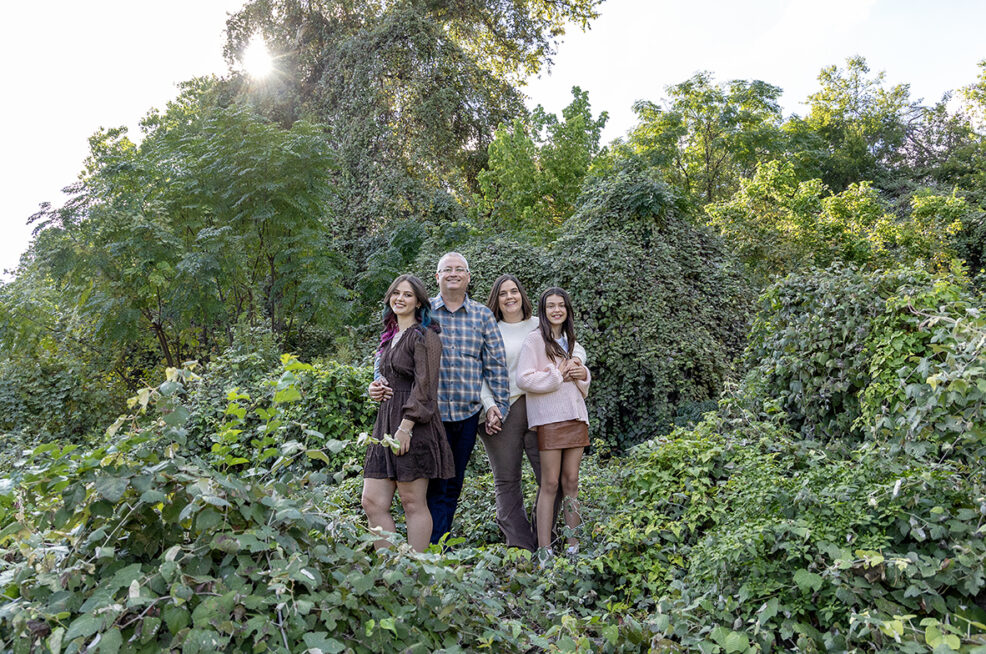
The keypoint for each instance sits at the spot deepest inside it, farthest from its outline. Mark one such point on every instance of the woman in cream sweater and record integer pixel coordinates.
(556, 385)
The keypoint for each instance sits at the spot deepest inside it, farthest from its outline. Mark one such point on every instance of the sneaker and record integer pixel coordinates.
(544, 556)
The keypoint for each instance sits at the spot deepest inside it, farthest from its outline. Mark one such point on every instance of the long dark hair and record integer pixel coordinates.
(494, 300)
(422, 314)
(551, 347)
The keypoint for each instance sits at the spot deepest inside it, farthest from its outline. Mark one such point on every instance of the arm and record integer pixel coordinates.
(495, 364)
(578, 352)
(529, 377)
(422, 405)
(583, 384)
(378, 390)
(486, 395)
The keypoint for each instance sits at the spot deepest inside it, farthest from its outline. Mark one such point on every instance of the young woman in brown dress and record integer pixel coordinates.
(410, 355)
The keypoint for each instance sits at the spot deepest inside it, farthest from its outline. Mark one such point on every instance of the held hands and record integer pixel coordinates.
(494, 421)
(379, 390)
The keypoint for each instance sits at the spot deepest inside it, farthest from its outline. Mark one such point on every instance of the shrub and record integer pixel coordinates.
(821, 338)
(138, 547)
(658, 307)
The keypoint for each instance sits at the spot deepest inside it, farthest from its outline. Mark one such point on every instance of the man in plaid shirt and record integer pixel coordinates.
(472, 350)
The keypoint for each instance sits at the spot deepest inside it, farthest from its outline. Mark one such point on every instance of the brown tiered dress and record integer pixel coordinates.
(411, 369)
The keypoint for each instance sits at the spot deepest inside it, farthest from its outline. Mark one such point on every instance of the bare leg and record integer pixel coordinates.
(377, 497)
(550, 464)
(413, 496)
(570, 460)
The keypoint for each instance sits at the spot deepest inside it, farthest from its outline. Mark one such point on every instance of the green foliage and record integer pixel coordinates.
(142, 546)
(927, 362)
(782, 546)
(708, 136)
(44, 399)
(215, 217)
(777, 224)
(245, 405)
(534, 174)
(843, 353)
(855, 128)
(413, 90)
(658, 307)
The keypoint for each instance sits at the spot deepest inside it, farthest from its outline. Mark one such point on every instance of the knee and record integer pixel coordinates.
(570, 484)
(413, 505)
(549, 486)
(373, 505)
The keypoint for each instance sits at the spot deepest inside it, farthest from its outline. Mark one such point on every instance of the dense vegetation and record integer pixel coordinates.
(783, 315)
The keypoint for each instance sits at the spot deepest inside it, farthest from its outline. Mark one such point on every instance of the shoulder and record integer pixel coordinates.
(482, 312)
(534, 338)
(474, 306)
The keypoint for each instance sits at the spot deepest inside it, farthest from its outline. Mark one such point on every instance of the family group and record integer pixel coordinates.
(448, 368)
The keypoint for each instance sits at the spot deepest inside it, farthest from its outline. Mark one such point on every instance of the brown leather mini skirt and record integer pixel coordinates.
(563, 435)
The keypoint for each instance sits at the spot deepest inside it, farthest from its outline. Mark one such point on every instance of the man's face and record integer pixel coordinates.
(452, 276)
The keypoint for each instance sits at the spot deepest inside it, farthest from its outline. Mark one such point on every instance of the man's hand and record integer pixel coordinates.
(379, 390)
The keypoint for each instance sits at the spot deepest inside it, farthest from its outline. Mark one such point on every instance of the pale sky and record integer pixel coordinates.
(72, 67)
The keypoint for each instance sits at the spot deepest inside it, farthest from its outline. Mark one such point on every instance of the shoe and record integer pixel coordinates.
(572, 550)
(544, 557)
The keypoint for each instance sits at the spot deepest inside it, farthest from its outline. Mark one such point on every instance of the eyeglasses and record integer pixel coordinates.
(459, 270)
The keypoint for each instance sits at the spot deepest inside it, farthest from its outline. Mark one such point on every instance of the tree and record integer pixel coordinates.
(216, 217)
(855, 129)
(535, 172)
(707, 136)
(778, 224)
(412, 90)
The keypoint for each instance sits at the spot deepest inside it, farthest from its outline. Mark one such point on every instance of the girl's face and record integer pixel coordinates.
(554, 309)
(402, 300)
(510, 303)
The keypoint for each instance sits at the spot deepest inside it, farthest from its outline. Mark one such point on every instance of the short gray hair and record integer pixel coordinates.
(451, 254)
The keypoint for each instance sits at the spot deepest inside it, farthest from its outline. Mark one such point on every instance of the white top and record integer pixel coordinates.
(513, 334)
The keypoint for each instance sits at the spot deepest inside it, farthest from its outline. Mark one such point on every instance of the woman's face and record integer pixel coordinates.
(554, 309)
(402, 300)
(510, 302)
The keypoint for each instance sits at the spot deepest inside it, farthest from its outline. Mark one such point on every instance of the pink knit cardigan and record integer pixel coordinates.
(549, 399)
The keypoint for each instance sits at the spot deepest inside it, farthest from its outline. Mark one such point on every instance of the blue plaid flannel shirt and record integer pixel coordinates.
(472, 350)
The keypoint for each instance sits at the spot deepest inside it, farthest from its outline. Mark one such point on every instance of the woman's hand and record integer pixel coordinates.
(577, 372)
(494, 421)
(404, 438)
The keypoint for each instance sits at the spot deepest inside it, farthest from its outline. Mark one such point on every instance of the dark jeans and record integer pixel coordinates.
(443, 494)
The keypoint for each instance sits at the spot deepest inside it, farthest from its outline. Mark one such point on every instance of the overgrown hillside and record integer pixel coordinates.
(783, 316)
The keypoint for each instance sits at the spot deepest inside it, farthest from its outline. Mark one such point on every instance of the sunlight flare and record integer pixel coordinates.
(257, 60)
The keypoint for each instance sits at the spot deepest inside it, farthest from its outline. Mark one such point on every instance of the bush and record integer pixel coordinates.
(49, 399)
(821, 339)
(138, 547)
(658, 307)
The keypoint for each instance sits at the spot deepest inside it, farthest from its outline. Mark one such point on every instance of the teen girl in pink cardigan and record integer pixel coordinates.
(556, 387)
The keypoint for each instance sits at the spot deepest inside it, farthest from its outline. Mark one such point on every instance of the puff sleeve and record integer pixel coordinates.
(422, 404)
